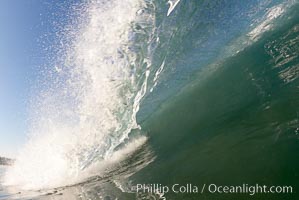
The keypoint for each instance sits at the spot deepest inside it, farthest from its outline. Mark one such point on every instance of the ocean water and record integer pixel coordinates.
(155, 92)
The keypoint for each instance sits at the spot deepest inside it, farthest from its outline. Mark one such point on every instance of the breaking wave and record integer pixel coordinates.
(88, 107)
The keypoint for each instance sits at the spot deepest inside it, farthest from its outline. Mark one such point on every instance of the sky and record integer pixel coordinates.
(26, 30)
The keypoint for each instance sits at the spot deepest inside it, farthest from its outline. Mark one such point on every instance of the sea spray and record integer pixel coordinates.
(90, 103)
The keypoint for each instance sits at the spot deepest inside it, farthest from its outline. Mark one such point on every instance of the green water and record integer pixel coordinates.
(238, 125)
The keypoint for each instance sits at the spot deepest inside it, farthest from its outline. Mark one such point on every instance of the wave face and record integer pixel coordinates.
(198, 34)
(92, 94)
(149, 91)
(237, 121)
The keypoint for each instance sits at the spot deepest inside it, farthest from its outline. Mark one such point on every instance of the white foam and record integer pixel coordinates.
(157, 75)
(267, 24)
(172, 5)
(97, 168)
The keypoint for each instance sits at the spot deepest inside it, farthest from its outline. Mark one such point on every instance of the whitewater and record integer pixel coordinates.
(88, 105)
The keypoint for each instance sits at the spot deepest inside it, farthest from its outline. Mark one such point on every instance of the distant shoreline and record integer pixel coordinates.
(6, 161)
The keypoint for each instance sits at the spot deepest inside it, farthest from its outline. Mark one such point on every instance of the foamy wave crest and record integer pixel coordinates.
(90, 103)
